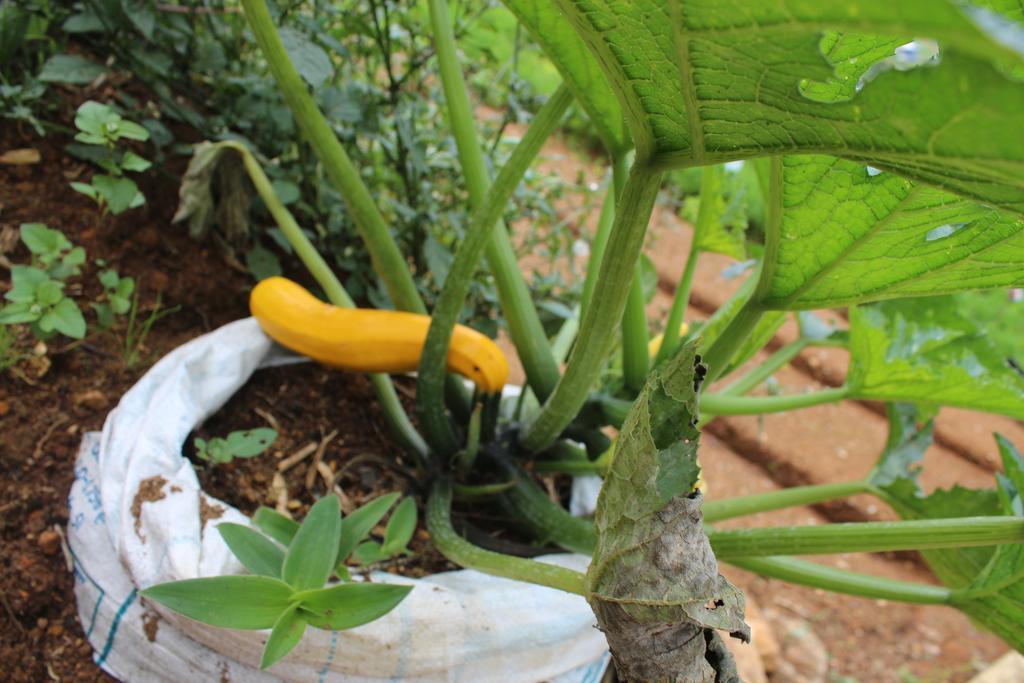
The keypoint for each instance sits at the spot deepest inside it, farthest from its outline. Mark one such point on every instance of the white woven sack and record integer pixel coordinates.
(455, 626)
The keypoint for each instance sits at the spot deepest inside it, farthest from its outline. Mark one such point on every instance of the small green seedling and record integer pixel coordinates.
(37, 292)
(39, 300)
(355, 544)
(241, 444)
(397, 535)
(117, 292)
(285, 592)
(99, 125)
(51, 251)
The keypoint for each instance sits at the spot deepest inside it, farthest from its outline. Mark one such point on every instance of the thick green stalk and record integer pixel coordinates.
(430, 384)
(718, 510)
(388, 262)
(523, 322)
(867, 537)
(717, 357)
(398, 422)
(766, 369)
(462, 552)
(530, 504)
(670, 337)
(615, 410)
(604, 228)
(724, 404)
(721, 351)
(814, 575)
(605, 311)
(635, 358)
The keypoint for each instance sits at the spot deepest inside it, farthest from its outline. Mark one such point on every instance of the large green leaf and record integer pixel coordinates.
(706, 81)
(653, 582)
(920, 350)
(988, 582)
(580, 70)
(852, 234)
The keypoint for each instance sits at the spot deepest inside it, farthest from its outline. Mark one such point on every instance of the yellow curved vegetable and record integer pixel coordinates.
(365, 339)
(654, 345)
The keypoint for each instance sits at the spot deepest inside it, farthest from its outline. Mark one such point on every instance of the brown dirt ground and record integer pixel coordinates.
(40, 638)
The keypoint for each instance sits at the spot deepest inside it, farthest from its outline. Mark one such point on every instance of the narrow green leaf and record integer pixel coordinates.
(361, 522)
(368, 552)
(400, 528)
(242, 602)
(351, 604)
(922, 351)
(286, 634)
(275, 525)
(310, 558)
(258, 553)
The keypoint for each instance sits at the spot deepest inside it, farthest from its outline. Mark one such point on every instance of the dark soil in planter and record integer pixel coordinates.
(334, 418)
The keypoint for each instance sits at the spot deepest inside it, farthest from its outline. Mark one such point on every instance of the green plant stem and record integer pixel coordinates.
(524, 324)
(721, 404)
(388, 261)
(430, 382)
(769, 367)
(462, 552)
(604, 228)
(615, 410)
(814, 575)
(609, 300)
(721, 351)
(670, 336)
(635, 358)
(857, 537)
(529, 503)
(718, 510)
(394, 413)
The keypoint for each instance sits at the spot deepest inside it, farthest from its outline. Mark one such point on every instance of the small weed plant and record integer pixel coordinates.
(858, 122)
(246, 443)
(102, 130)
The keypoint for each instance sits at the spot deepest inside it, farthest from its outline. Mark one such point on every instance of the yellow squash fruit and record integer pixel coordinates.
(654, 345)
(366, 339)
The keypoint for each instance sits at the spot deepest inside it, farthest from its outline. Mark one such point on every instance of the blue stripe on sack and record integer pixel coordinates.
(330, 657)
(595, 670)
(113, 627)
(80, 570)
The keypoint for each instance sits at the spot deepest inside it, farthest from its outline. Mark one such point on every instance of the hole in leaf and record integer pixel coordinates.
(944, 231)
